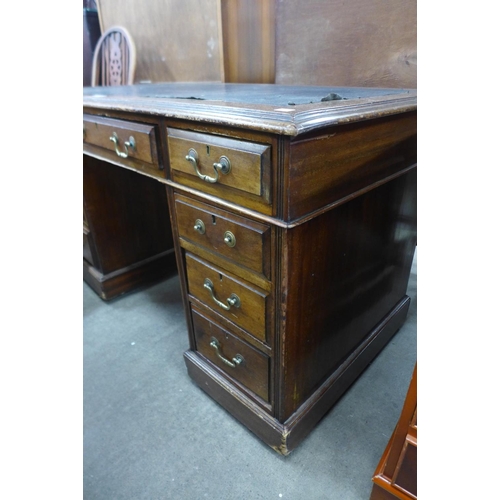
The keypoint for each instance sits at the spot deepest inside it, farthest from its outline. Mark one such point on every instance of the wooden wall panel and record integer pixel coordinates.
(367, 43)
(176, 40)
(248, 40)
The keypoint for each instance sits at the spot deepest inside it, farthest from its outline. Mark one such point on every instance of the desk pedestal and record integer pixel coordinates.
(127, 240)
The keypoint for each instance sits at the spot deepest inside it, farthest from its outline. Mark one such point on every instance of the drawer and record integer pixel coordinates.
(405, 476)
(244, 241)
(226, 167)
(125, 141)
(239, 302)
(241, 361)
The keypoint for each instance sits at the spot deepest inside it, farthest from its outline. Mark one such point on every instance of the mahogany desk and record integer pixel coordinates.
(293, 213)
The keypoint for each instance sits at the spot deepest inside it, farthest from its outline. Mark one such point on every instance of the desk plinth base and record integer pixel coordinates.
(284, 437)
(146, 272)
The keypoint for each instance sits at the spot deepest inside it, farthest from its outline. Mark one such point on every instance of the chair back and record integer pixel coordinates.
(114, 59)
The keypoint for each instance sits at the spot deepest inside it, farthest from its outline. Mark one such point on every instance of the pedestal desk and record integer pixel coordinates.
(293, 211)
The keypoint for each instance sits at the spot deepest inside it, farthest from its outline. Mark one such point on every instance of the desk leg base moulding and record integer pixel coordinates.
(147, 272)
(283, 438)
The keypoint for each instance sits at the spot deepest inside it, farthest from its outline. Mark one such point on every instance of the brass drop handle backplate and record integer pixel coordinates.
(236, 361)
(199, 226)
(232, 301)
(223, 166)
(229, 239)
(128, 144)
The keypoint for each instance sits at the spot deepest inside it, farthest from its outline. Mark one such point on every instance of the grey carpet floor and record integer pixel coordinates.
(151, 433)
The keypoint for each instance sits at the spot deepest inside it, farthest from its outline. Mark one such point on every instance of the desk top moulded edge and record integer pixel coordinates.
(278, 119)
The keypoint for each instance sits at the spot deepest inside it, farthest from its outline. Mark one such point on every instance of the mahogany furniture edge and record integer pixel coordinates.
(292, 121)
(385, 478)
(278, 222)
(332, 288)
(146, 272)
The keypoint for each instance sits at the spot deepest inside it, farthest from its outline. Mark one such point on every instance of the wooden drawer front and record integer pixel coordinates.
(242, 240)
(249, 162)
(253, 370)
(251, 313)
(98, 130)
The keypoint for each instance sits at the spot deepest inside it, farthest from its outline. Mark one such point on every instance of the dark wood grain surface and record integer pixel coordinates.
(346, 269)
(251, 239)
(253, 372)
(321, 199)
(347, 159)
(127, 228)
(252, 314)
